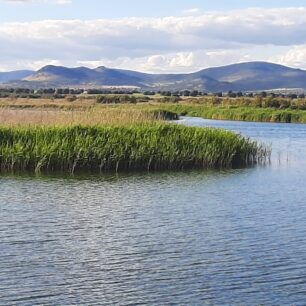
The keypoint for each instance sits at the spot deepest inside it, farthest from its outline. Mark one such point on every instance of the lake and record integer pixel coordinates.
(230, 237)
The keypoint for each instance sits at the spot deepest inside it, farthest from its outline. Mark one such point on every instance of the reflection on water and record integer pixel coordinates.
(235, 237)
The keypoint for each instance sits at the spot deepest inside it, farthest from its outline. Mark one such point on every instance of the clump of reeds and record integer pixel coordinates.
(138, 147)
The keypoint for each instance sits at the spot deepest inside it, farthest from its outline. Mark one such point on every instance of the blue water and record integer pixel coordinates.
(235, 237)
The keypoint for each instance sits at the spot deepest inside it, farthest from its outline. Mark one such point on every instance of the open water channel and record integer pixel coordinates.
(232, 237)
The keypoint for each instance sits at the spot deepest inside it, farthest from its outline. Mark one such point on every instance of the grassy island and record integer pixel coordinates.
(139, 147)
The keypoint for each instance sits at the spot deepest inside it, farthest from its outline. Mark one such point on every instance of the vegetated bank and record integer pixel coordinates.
(239, 113)
(252, 109)
(124, 148)
(258, 108)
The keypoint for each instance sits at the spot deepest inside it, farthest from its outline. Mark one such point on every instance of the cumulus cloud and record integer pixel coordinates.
(294, 57)
(171, 44)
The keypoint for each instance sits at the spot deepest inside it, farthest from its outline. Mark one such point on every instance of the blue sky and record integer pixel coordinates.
(152, 36)
(94, 9)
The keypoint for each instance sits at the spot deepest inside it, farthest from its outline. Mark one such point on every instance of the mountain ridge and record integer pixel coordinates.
(14, 75)
(247, 76)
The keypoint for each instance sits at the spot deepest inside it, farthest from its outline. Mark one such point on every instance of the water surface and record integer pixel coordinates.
(235, 237)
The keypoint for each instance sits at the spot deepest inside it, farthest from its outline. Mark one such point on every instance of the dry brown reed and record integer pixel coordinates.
(91, 116)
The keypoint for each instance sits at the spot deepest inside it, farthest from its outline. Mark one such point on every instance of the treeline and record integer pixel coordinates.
(262, 94)
(117, 99)
(276, 99)
(38, 94)
(257, 102)
(57, 93)
(72, 91)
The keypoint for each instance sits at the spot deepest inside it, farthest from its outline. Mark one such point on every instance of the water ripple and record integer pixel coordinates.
(235, 237)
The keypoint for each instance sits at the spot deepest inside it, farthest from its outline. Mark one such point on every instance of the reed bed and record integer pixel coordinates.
(27, 103)
(86, 111)
(119, 116)
(238, 113)
(125, 148)
(115, 138)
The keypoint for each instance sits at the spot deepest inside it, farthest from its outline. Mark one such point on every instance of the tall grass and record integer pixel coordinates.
(91, 116)
(87, 112)
(138, 147)
(27, 103)
(115, 138)
(238, 113)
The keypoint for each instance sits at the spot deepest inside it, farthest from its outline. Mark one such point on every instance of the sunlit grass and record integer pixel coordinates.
(114, 138)
(138, 147)
(118, 116)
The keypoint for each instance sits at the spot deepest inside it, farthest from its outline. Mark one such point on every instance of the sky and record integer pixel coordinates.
(152, 36)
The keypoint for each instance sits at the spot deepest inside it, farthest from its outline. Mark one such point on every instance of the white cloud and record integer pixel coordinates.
(294, 57)
(181, 61)
(191, 11)
(169, 44)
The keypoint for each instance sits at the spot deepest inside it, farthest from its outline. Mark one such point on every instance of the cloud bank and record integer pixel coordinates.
(169, 44)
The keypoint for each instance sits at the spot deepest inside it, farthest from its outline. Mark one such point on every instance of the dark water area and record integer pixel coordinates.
(233, 237)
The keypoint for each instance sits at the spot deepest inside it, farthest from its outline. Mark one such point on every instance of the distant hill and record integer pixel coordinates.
(14, 75)
(55, 76)
(251, 76)
(257, 76)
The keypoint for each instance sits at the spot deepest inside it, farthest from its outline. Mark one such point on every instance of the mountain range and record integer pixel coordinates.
(250, 76)
(14, 75)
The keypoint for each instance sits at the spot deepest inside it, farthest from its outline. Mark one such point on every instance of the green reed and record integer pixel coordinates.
(238, 113)
(124, 148)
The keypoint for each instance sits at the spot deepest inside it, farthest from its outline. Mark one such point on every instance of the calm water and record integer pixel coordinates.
(234, 237)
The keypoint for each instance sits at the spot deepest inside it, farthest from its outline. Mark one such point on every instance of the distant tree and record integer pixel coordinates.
(166, 93)
(231, 94)
(194, 93)
(292, 96)
(272, 94)
(149, 93)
